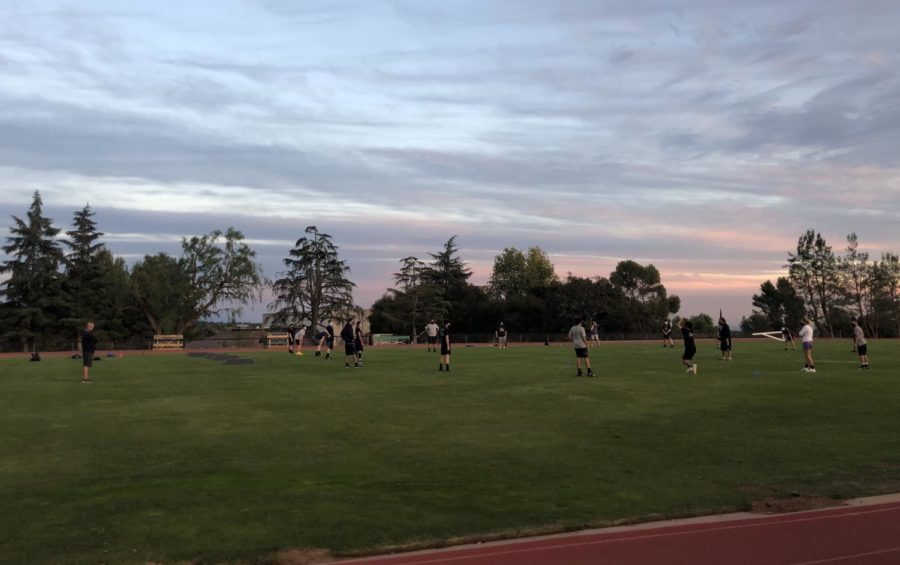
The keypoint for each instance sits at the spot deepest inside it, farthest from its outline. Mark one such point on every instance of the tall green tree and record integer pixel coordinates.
(646, 298)
(217, 273)
(539, 271)
(33, 300)
(813, 270)
(411, 302)
(448, 272)
(509, 276)
(853, 283)
(84, 281)
(315, 285)
(778, 304)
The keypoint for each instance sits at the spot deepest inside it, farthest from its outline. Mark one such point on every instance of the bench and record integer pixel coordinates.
(277, 340)
(378, 339)
(168, 341)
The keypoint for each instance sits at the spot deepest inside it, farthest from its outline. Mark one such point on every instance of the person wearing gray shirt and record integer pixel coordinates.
(579, 340)
(862, 346)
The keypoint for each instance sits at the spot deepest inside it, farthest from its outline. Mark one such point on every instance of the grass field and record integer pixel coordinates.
(169, 458)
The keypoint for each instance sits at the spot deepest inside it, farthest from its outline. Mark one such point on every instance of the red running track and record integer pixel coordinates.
(867, 534)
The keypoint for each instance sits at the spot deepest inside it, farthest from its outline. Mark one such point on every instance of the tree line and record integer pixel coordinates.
(831, 289)
(524, 292)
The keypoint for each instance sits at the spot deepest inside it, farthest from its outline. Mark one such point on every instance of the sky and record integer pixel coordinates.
(702, 136)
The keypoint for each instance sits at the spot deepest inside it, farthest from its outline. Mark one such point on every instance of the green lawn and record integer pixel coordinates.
(170, 458)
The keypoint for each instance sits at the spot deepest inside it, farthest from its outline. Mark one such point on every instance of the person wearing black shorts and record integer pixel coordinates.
(579, 341)
(329, 340)
(690, 348)
(88, 348)
(431, 333)
(358, 342)
(862, 346)
(446, 348)
(788, 337)
(667, 334)
(349, 345)
(724, 340)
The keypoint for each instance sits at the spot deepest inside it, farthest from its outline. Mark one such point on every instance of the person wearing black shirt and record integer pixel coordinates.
(349, 344)
(358, 342)
(88, 348)
(445, 347)
(787, 337)
(724, 340)
(501, 336)
(329, 340)
(667, 334)
(690, 348)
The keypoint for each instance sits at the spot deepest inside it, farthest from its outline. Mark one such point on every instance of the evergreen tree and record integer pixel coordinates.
(33, 298)
(83, 282)
(315, 286)
(449, 273)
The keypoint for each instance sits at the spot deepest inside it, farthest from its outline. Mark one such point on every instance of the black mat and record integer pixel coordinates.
(240, 362)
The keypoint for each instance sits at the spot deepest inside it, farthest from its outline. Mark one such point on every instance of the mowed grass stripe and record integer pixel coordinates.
(169, 457)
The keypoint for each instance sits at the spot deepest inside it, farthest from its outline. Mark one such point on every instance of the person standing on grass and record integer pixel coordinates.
(291, 330)
(329, 340)
(358, 342)
(667, 334)
(724, 340)
(349, 345)
(501, 336)
(446, 348)
(88, 348)
(431, 334)
(806, 336)
(595, 333)
(579, 341)
(690, 347)
(862, 346)
(298, 339)
(788, 337)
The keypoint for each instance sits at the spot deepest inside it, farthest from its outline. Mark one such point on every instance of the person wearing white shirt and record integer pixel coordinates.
(806, 336)
(431, 332)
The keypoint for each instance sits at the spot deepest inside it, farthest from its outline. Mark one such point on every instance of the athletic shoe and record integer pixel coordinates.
(591, 374)
(440, 367)
(689, 370)
(578, 374)
(804, 370)
(811, 371)
(86, 381)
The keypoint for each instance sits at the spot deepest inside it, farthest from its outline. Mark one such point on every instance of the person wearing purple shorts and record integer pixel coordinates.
(806, 336)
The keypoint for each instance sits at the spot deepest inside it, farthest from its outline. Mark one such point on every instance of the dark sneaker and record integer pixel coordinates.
(440, 367)
(591, 374)
(578, 374)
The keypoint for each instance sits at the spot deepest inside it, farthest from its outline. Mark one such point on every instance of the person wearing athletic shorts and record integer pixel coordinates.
(446, 348)
(787, 337)
(298, 340)
(690, 348)
(806, 336)
(88, 348)
(862, 346)
(501, 336)
(667, 334)
(358, 342)
(349, 345)
(595, 333)
(724, 340)
(579, 341)
(431, 333)
(329, 340)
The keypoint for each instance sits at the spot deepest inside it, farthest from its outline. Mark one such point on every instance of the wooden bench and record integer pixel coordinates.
(389, 338)
(168, 341)
(277, 340)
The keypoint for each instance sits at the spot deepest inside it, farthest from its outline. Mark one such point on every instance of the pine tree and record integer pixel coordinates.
(33, 298)
(315, 286)
(84, 283)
